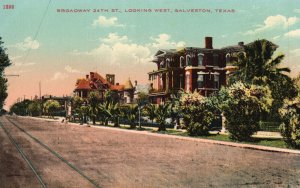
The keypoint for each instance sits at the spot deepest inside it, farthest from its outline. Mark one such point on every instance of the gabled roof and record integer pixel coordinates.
(128, 85)
(83, 84)
(99, 77)
(117, 87)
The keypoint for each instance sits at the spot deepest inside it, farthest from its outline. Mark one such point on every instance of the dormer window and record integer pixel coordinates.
(161, 65)
(188, 60)
(200, 59)
(228, 58)
(181, 61)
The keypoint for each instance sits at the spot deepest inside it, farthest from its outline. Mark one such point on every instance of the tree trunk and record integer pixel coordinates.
(161, 127)
(94, 120)
(106, 122)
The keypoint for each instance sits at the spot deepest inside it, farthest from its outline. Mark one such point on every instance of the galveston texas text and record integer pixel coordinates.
(156, 10)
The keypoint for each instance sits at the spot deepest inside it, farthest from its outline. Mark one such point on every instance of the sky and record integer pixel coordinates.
(53, 43)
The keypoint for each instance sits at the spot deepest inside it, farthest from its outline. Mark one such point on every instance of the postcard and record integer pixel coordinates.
(140, 93)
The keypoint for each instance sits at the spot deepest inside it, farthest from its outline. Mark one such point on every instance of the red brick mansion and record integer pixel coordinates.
(191, 68)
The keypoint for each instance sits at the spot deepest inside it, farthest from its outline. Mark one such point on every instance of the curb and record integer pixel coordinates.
(232, 144)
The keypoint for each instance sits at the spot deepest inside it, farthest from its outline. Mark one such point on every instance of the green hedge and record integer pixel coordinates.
(269, 126)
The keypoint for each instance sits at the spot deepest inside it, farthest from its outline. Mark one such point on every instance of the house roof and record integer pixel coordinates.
(117, 87)
(83, 84)
(99, 77)
(128, 85)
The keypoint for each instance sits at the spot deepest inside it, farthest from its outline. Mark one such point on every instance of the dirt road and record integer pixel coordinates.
(114, 158)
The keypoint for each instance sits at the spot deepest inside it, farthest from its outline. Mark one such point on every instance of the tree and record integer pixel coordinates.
(50, 106)
(242, 106)
(111, 96)
(34, 108)
(162, 112)
(4, 63)
(111, 111)
(131, 114)
(150, 111)
(257, 65)
(93, 102)
(196, 114)
(77, 102)
(290, 128)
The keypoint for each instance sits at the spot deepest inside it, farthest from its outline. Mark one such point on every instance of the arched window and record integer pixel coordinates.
(200, 59)
(181, 61)
(228, 58)
(168, 63)
(188, 60)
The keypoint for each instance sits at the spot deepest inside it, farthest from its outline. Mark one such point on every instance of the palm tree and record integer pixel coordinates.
(256, 65)
(93, 102)
(162, 112)
(150, 111)
(131, 114)
(112, 111)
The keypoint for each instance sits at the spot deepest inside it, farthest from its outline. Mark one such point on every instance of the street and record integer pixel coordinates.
(66, 155)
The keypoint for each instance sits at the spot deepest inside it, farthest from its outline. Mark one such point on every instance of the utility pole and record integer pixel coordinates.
(41, 103)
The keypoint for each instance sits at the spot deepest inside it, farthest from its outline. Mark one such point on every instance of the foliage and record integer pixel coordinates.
(4, 63)
(290, 128)
(162, 112)
(196, 116)
(242, 105)
(131, 114)
(111, 111)
(34, 108)
(20, 108)
(150, 111)
(111, 96)
(142, 99)
(93, 105)
(256, 65)
(50, 106)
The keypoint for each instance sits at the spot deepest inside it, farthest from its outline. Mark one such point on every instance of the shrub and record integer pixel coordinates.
(290, 128)
(196, 116)
(242, 105)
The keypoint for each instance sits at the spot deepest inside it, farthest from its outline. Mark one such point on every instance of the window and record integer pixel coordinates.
(227, 58)
(200, 81)
(216, 81)
(200, 59)
(216, 57)
(161, 65)
(181, 61)
(188, 60)
(181, 81)
(187, 79)
(167, 62)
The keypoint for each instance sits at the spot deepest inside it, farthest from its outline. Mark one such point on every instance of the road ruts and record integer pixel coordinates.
(50, 168)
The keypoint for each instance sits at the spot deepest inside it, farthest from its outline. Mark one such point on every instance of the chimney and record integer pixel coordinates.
(87, 76)
(241, 43)
(117, 84)
(208, 42)
(92, 75)
(135, 83)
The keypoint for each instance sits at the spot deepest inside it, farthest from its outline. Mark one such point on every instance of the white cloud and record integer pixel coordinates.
(59, 76)
(69, 69)
(28, 43)
(119, 50)
(293, 33)
(102, 21)
(113, 38)
(19, 64)
(297, 10)
(274, 21)
(163, 42)
(276, 37)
